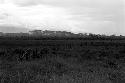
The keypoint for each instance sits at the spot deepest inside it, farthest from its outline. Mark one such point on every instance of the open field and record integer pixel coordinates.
(62, 61)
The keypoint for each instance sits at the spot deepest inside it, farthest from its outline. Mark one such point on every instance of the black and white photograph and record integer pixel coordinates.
(62, 41)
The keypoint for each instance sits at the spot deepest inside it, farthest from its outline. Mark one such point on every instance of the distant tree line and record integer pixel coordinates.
(38, 35)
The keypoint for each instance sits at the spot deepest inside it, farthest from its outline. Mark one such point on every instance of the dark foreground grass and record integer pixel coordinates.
(59, 61)
(60, 70)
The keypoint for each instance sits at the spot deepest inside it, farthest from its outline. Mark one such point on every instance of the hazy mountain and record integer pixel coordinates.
(12, 29)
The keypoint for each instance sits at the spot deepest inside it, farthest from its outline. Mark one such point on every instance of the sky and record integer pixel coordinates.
(77, 16)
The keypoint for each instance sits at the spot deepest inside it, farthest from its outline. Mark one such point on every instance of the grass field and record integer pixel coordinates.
(62, 61)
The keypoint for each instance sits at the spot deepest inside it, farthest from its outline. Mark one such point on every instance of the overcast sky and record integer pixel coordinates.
(96, 16)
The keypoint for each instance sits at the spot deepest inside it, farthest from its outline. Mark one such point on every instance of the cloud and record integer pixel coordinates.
(25, 2)
(36, 17)
(97, 16)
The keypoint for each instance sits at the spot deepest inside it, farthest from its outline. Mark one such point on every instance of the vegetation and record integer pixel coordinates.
(65, 60)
